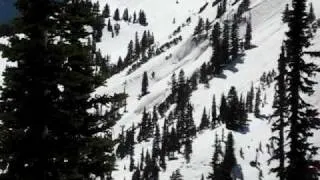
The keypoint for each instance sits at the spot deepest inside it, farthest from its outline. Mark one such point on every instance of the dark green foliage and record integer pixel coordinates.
(125, 15)
(116, 15)
(136, 175)
(257, 103)
(176, 175)
(200, 27)
(188, 149)
(278, 125)
(142, 18)
(303, 118)
(217, 58)
(225, 46)
(229, 160)
(311, 15)
(106, 11)
(156, 143)
(216, 161)
(250, 98)
(248, 36)
(204, 123)
(214, 117)
(145, 84)
(234, 39)
(47, 131)
(286, 14)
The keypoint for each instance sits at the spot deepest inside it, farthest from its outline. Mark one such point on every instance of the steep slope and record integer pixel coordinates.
(268, 33)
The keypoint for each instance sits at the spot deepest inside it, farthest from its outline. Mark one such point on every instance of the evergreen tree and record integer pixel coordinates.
(109, 26)
(216, 59)
(137, 49)
(216, 161)
(131, 166)
(225, 46)
(156, 143)
(200, 27)
(234, 39)
(214, 119)
(188, 149)
(106, 11)
(250, 98)
(311, 16)
(302, 117)
(130, 54)
(145, 84)
(204, 123)
(136, 175)
(40, 121)
(286, 14)
(229, 160)
(203, 74)
(142, 18)
(223, 109)
(116, 15)
(279, 124)
(257, 103)
(248, 36)
(125, 15)
(176, 175)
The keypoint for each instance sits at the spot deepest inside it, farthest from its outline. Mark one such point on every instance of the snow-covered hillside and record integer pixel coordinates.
(268, 34)
(163, 17)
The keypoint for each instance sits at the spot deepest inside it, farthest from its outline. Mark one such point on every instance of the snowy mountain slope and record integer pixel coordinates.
(268, 34)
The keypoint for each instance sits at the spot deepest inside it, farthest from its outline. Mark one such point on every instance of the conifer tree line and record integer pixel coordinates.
(51, 126)
(294, 118)
(139, 17)
(223, 162)
(227, 45)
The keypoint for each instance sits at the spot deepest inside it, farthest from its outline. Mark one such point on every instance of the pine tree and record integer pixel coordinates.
(214, 118)
(131, 166)
(106, 11)
(286, 14)
(248, 36)
(142, 18)
(223, 109)
(216, 161)
(229, 160)
(311, 16)
(302, 117)
(204, 123)
(279, 124)
(257, 103)
(116, 15)
(176, 175)
(216, 59)
(130, 54)
(125, 15)
(188, 150)
(156, 143)
(234, 39)
(137, 49)
(145, 84)
(44, 121)
(136, 175)
(200, 27)
(225, 46)
(109, 26)
(250, 98)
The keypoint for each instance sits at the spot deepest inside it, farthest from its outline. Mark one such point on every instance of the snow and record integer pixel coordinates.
(268, 34)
